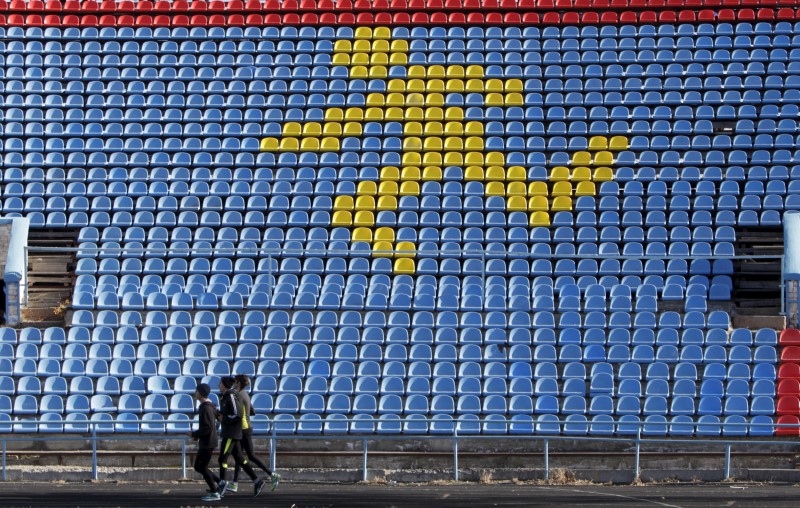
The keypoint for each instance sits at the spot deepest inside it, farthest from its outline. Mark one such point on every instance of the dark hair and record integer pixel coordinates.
(227, 382)
(242, 380)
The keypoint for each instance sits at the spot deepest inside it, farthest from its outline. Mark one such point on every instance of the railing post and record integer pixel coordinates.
(273, 444)
(4, 459)
(637, 467)
(183, 459)
(455, 451)
(783, 290)
(546, 459)
(727, 461)
(364, 460)
(94, 452)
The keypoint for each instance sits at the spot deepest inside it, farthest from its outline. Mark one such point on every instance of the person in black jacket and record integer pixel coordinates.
(206, 437)
(230, 416)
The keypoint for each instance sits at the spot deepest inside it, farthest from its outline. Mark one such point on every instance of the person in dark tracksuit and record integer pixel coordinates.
(230, 416)
(242, 382)
(206, 437)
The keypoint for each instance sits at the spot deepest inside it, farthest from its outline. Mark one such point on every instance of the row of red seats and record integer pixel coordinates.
(259, 6)
(788, 407)
(402, 18)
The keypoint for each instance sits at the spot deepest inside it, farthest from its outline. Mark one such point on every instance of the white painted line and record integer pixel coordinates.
(612, 495)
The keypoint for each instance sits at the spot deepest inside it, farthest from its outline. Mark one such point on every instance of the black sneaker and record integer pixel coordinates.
(221, 488)
(258, 487)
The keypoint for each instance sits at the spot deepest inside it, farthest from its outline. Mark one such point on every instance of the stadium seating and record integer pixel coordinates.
(488, 217)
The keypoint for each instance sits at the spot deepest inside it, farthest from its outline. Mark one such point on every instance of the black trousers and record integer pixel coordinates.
(250, 451)
(201, 462)
(233, 448)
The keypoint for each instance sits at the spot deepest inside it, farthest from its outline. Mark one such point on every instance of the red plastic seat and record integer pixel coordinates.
(746, 15)
(198, 6)
(235, 6)
(785, 13)
(590, 18)
(180, 6)
(346, 18)
(125, 20)
(291, 19)
(18, 5)
(628, 18)
(272, 6)
(35, 5)
(687, 17)
(453, 4)
(53, 6)
(141, 5)
(52, 20)
(89, 20)
(309, 18)
(383, 18)
(788, 405)
(788, 431)
(664, 17)
(89, 6)
(789, 371)
(162, 6)
(706, 15)
(475, 17)
(439, 18)
(508, 4)
(551, 18)
(650, 16)
(380, 5)
(531, 18)
(327, 18)
(790, 354)
(570, 18)
(789, 337)
(457, 18)
(272, 19)
(402, 18)
(365, 18)
(70, 21)
(255, 19)
(144, 20)
(33, 20)
(512, 18)
(545, 4)
(180, 20)
(563, 4)
(789, 387)
(217, 6)
(236, 20)
(726, 15)
(290, 6)
(420, 18)
(105, 20)
(162, 20)
(252, 6)
(435, 4)
(198, 20)
(216, 20)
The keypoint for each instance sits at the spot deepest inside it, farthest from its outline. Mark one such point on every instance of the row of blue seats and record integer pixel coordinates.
(441, 424)
(289, 403)
(346, 32)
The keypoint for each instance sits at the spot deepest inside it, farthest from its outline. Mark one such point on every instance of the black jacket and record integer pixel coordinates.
(230, 407)
(206, 434)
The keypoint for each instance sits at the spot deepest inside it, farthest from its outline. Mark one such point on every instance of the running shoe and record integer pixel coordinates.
(276, 479)
(258, 487)
(232, 487)
(221, 488)
(211, 496)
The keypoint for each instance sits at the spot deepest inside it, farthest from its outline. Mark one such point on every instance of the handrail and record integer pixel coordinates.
(273, 437)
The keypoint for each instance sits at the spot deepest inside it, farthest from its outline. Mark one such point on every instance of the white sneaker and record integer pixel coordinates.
(232, 487)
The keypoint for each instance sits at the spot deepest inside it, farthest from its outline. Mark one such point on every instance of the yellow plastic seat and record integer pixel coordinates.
(416, 71)
(495, 159)
(475, 71)
(474, 159)
(474, 143)
(561, 204)
(269, 145)
(381, 32)
(603, 174)
(582, 159)
(494, 99)
(474, 128)
(376, 99)
(475, 85)
(342, 218)
(618, 143)
(432, 144)
(562, 189)
(434, 129)
(410, 173)
(373, 114)
(379, 59)
(474, 174)
(516, 189)
(434, 99)
(332, 129)
(309, 145)
(353, 129)
(514, 85)
(390, 173)
(415, 86)
(414, 113)
(496, 173)
(292, 129)
(415, 99)
(581, 174)
(495, 189)
(516, 173)
(362, 235)
(400, 46)
(454, 85)
(603, 159)
(513, 99)
(354, 114)
(364, 218)
(454, 159)
(433, 159)
(412, 159)
(387, 203)
(343, 203)
(382, 249)
(455, 129)
(585, 189)
(539, 219)
(289, 145)
(394, 114)
(312, 129)
(409, 189)
(538, 189)
(404, 266)
(342, 46)
(412, 144)
(436, 71)
(494, 85)
(381, 46)
(431, 174)
(538, 203)
(434, 113)
(598, 143)
(412, 129)
(367, 188)
(388, 188)
(396, 85)
(359, 59)
(455, 71)
(341, 59)
(405, 250)
(454, 144)
(384, 234)
(517, 204)
(455, 114)
(363, 32)
(334, 115)
(330, 145)
(398, 59)
(359, 71)
(559, 174)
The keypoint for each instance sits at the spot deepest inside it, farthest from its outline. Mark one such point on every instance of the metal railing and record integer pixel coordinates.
(639, 438)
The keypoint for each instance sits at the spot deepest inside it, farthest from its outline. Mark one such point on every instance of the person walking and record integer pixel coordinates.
(230, 416)
(206, 437)
(242, 382)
